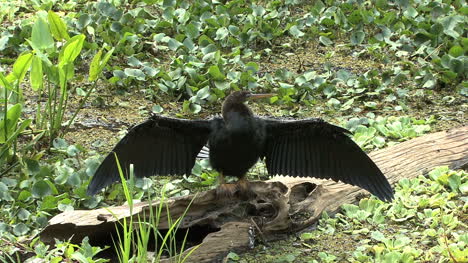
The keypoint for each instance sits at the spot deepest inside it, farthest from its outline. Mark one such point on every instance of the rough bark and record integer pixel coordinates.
(281, 205)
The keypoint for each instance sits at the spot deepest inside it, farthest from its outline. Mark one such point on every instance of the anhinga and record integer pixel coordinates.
(305, 148)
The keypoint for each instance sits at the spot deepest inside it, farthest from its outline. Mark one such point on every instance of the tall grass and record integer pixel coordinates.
(133, 243)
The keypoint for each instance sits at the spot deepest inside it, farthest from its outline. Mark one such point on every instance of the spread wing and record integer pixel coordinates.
(315, 148)
(158, 146)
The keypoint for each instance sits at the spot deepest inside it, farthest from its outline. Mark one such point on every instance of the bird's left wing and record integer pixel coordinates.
(158, 146)
(315, 148)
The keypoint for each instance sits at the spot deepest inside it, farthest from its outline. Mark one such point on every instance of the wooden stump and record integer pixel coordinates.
(282, 205)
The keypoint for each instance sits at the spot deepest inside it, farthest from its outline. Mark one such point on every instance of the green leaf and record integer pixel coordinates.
(454, 181)
(22, 65)
(233, 256)
(456, 51)
(40, 36)
(20, 229)
(357, 37)
(295, 32)
(252, 66)
(13, 115)
(5, 83)
(410, 12)
(221, 33)
(136, 73)
(106, 58)
(36, 74)
(173, 44)
(377, 235)
(57, 26)
(71, 50)
(325, 40)
(41, 189)
(157, 109)
(216, 74)
(94, 66)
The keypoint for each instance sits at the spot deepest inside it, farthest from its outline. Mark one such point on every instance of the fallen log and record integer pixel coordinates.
(282, 205)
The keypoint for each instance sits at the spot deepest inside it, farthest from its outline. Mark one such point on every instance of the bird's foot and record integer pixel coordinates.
(245, 190)
(226, 190)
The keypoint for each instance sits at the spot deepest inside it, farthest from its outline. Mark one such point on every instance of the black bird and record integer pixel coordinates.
(304, 148)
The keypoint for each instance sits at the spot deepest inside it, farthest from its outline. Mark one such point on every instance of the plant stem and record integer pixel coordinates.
(80, 107)
(5, 116)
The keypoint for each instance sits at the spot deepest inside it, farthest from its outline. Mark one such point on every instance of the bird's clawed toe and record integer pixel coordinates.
(226, 190)
(241, 190)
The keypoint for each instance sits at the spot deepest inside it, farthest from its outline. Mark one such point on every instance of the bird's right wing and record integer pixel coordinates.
(158, 146)
(315, 148)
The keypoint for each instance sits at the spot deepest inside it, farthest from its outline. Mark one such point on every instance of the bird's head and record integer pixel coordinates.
(235, 103)
(243, 96)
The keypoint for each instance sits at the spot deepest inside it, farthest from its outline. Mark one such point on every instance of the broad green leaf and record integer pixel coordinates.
(94, 66)
(173, 44)
(216, 73)
(136, 73)
(295, 32)
(357, 37)
(221, 33)
(8, 127)
(20, 229)
(5, 83)
(157, 109)
(57, 27)
(410, 12)
(41, 189)
(4, 41)
(36, 75)
(100, 64)
(22, 65)
(71, 50)
(456, 51)
(40, 36)
(325, 40)
(252, 66)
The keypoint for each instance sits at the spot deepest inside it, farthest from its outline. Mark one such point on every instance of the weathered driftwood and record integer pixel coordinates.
(281, 205)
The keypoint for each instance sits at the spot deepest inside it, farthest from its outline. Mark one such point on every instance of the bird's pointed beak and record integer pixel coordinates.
(261, 95)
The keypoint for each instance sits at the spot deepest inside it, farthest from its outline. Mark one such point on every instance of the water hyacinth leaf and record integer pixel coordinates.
(188, 43)
(4, 41)
(173, 44)
(456, 51)
(357, 37)
(192, 30)
(295, 32)
(136, 73)
(203, 93)
(252, 66)
(60, 144)
(20, 229)
(157, 109)
(221, 33)
(57, 27)
(5, 193)
(41, 36)
(216, 73)
(36, 74)
(23, 214)
(325, 41)
(41, 189)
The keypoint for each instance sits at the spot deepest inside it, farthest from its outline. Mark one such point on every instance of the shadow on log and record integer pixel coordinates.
(282, 205)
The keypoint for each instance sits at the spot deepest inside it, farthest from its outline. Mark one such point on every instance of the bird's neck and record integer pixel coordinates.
(236, 112)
